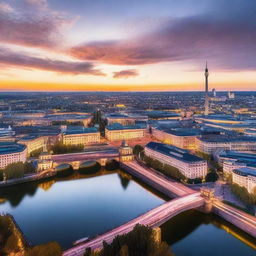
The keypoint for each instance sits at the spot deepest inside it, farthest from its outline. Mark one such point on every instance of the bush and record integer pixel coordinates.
(243, 194)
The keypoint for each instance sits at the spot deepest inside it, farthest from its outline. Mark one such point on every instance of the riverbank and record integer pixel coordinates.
(28, 178)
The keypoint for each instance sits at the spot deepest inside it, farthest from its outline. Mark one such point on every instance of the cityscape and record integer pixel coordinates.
(127, 128)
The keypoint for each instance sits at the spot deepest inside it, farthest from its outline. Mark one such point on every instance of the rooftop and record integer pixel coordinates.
(172, 151)
(80, 131)
(10, 147)
(117, 126)
(226, 138)
(181, 131)
(245, 171)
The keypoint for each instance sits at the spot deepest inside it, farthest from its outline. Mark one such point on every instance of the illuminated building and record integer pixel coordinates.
(210, 144)
(245, 177)
(85, 136)
(181, 137)
(45, 161)
(124, 119)
(118, 132)
(12, 153)
(125, 152)
(190, 166)
(33, 142)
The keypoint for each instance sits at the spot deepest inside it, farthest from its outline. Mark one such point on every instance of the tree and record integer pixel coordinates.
(50, 249)
(14, 170)
(243, 194)
(211, 176)
(137, 149)
(61, 148)
(139, 242)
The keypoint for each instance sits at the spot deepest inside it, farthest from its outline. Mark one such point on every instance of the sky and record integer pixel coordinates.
(127, 45)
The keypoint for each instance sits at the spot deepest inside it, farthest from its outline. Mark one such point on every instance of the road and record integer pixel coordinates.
(152, 218)
(160, 181)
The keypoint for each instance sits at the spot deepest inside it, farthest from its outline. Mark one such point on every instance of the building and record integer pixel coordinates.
(45, 161)
(206, 104)
(85, 136)
(117, 132)
(231, 160)
(33, 142)
(125, 153)
(189, 165)
(124, 119)
(245, 177)
(211, 144)
(180, 137)
(12, 153)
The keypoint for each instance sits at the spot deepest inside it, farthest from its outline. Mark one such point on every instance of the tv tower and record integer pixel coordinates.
(206, 104)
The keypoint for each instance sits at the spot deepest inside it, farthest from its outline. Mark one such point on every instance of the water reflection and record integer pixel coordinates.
(195, 233)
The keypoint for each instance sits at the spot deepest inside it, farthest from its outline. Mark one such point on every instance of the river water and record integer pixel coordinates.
(65, 210)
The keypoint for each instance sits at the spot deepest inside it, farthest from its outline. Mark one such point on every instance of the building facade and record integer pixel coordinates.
(86, 136)
(189, 165)
(12, 153)
(119, 132)
(245, 177)
(33, 142)
(211, 144)
(179, 138)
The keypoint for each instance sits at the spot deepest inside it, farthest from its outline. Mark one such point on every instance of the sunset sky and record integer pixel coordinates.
(127, 45)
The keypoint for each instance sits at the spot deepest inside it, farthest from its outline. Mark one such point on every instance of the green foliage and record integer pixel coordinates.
(36, 153)
(1, 174)
(211, 176)
(17, 170)
(9, 237)
(164, 168)
(243, 194)
(60, 148)
(49, 249)
(139, 242)
(137, 149)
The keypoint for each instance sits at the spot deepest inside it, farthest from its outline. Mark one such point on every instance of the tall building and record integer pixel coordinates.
(206, 105)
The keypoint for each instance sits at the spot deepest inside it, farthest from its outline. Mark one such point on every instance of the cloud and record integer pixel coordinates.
(126, 73)
(226, 39)
(32, 23)
(10, 58)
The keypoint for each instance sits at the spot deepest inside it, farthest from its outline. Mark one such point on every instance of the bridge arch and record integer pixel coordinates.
(89, 167)
(64, 169)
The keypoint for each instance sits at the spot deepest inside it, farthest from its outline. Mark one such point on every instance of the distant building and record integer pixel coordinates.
(214, 92)
(189, 165)
(12, 153)
(245, 177)
(181, 137)
(124, 119)
(84, 136)
(117, 132)
(210, 144)
(231, 95)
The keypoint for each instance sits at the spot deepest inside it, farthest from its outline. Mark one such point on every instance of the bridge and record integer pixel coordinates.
(187, 199)
(76, 159)
(153, 218)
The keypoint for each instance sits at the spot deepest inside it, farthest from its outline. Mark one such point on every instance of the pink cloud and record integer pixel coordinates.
(126, 73)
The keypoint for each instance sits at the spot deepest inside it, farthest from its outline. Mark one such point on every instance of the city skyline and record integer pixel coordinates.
(126, 45)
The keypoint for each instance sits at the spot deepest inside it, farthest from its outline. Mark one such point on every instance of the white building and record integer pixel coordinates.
(189, 165)
(245, 177)
(211, 144)
(12, 153)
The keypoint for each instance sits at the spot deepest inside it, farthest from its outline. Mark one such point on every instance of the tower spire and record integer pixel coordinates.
(206, 105)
